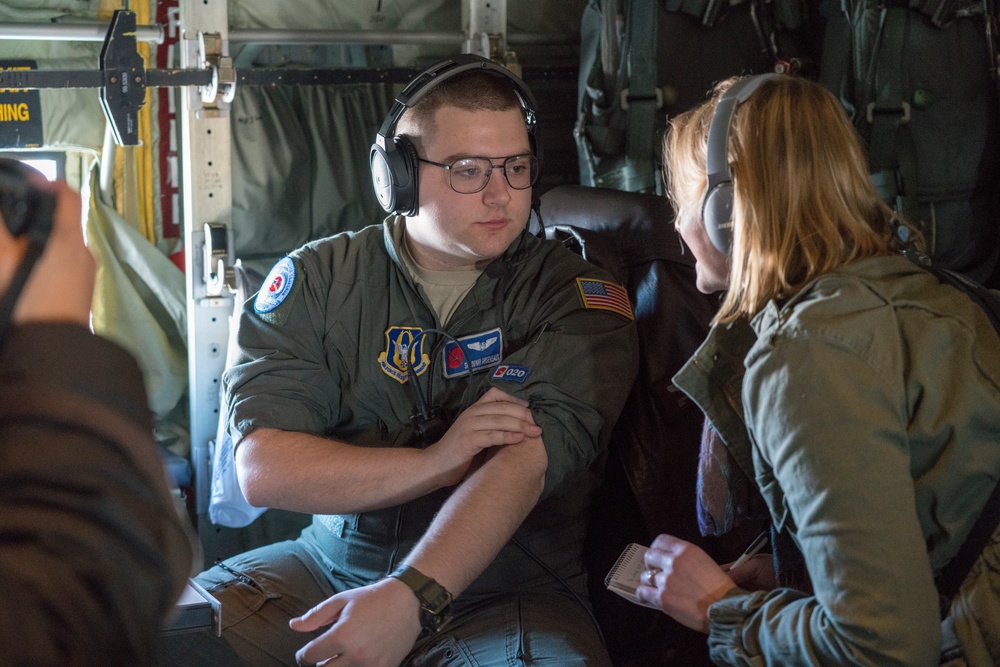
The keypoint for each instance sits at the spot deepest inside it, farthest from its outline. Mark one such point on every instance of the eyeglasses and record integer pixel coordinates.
(470, 175)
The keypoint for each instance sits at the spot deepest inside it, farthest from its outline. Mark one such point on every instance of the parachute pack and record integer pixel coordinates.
(919, 80)
(917, 77)
(644, 60)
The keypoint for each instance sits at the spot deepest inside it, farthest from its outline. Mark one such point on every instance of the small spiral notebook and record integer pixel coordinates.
(623, 578)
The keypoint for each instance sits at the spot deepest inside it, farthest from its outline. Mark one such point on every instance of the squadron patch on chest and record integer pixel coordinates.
(403, 346)
(276, 287)
(475, 351)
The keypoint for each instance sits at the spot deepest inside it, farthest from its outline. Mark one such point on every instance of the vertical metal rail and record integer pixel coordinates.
(208, 200)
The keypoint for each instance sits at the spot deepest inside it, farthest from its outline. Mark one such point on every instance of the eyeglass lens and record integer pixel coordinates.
(471, 174)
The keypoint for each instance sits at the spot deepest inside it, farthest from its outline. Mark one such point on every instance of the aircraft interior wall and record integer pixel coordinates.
(298, 153)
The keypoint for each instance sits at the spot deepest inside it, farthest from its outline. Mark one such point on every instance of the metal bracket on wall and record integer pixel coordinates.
(220, 91)
(485, 25)
(124, 79)
(220, 277)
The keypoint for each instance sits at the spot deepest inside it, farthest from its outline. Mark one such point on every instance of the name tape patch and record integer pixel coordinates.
(484, 351)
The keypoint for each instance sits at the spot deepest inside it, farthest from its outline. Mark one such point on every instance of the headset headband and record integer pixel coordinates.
(429, 78)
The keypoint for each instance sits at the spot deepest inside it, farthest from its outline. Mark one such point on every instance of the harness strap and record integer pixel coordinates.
(640, 98)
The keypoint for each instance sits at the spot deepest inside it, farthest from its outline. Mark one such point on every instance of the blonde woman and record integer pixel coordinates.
(860, 393)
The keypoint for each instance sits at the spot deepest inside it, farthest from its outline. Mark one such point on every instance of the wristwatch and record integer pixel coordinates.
(435, 600)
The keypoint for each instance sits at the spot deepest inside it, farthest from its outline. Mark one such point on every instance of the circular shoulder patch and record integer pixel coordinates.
(276, 287)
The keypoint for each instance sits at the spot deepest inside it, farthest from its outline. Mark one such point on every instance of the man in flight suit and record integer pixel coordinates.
(436, 390)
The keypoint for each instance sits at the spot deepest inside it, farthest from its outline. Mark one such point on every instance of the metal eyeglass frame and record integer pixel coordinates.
(533, 165)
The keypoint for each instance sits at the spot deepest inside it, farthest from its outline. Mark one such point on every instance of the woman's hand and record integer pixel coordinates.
(756, 574)
(683, 581)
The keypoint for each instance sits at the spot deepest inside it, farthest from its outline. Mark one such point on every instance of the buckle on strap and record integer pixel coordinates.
(902, 109)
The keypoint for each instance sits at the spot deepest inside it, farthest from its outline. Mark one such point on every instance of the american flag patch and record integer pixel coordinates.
(606, 296)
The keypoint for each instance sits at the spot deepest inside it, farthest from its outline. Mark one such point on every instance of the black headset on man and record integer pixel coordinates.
(717, 204)
(393, 159)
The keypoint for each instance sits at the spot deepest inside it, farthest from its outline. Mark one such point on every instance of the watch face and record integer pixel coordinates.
(435, 608)
(435, 600)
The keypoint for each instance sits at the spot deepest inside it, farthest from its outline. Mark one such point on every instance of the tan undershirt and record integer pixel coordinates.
(445, 289)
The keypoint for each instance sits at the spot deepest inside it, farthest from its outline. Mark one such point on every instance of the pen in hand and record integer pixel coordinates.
(751, 551)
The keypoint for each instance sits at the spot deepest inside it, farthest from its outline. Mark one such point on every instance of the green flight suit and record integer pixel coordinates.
(323, 350)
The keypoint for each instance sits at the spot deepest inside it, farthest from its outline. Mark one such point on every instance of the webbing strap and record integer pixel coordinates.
(887, 110)
(641, 97)
(705, 10)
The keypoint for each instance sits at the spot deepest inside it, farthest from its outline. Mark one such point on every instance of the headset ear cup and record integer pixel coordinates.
(394, 176)
(717, 216)
(382, 181)
(717, 205)
(409, 164)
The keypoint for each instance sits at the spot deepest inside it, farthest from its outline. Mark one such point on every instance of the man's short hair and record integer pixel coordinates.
(475, 90)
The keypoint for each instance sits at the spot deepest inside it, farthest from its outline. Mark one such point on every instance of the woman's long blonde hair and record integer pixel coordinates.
(804, 203)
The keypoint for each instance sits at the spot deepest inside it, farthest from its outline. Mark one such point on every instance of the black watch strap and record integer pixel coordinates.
(435, 600)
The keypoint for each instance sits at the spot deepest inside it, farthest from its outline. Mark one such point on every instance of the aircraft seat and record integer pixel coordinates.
(649, 483)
